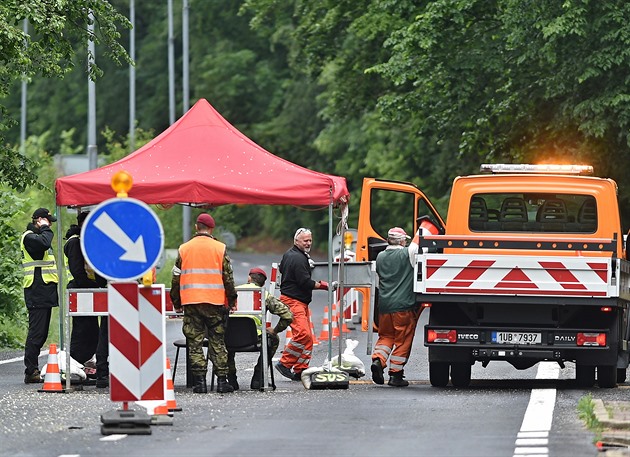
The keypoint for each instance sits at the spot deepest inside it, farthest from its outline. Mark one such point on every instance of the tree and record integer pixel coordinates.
(48, 50)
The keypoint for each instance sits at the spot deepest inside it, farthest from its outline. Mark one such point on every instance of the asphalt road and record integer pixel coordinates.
(490, 418)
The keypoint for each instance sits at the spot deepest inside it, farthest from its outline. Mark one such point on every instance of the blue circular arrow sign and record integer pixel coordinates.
(122, 239)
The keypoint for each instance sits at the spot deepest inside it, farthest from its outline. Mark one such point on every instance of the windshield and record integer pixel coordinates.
(522, 212)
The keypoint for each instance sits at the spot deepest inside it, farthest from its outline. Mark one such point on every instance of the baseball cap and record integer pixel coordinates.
(205, 219)
(45, 213)
(258, 271)
(397, 233)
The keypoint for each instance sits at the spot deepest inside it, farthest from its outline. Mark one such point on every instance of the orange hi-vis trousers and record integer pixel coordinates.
(297, 354)
(395, 338)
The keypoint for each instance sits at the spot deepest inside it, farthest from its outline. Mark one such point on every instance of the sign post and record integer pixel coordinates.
(122, 239)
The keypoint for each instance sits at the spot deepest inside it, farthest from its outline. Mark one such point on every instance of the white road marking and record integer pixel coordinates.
(114, 437)
(532, 438)
(18, 359)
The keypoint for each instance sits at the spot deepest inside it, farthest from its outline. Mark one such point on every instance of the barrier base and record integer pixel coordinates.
(329, 380)
(161, 419)
(128, 422)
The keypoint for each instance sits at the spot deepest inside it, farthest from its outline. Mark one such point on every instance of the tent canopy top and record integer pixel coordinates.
(203, 160)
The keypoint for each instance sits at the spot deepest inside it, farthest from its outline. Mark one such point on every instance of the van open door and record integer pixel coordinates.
(386, 204)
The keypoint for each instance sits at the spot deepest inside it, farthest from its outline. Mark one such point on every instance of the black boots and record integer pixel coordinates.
(223, 386)
(231, 378)
(199, 384)
(396, 379)
(256, 383)
(377, 372)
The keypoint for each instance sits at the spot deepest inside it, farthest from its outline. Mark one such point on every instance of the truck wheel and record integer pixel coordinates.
(460, 374)
(584, 375)
(621, 375)
(607, 376)
(438, 374)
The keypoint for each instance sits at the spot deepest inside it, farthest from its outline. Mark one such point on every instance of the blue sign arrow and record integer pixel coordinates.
(122, 239)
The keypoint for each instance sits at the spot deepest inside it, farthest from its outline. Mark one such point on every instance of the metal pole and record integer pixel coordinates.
(171, 65)
(24, 88)
(185, 105)
(330, 276)
(132, 77)
(91, 146)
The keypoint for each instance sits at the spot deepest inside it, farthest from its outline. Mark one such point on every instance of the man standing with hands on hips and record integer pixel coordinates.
(40, 287)
(296, 291)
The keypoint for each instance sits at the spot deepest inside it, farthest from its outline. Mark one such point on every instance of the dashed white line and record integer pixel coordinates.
(532, 439)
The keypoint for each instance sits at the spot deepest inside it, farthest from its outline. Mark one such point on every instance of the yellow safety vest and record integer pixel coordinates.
(201, 279)
(47, 265)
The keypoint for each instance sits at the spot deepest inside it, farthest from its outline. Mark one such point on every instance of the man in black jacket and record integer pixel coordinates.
(40, 287)
(296, 291)
(85, 329)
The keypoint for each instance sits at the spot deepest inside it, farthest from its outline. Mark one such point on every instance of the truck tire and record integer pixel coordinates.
(585, 375)
(607, 376)
(460, 374)
(621, 375)
(438, 374)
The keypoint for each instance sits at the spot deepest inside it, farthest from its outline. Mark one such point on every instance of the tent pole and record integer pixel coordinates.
(330, 275)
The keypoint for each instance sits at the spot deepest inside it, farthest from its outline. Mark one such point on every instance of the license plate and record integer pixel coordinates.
(516, 338)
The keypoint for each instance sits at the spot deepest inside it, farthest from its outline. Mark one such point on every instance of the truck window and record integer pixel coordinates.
(391, 209)
(524, 212)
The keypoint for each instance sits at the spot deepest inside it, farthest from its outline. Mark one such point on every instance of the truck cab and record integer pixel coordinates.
(530, 267)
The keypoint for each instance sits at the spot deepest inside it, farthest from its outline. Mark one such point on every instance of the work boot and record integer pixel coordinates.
(256, 383)
(284, 371)
(223, 386)
(102, 382)
(34, 378)
(377, 372)
(199, 384)
(396, 379)
(231, 378)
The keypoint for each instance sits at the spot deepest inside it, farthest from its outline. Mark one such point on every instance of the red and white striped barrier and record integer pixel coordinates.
(93, 302)
(137, 355)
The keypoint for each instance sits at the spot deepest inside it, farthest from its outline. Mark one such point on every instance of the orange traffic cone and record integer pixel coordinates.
(310, 318)
(335, 317)
(288, 336)
(158, 411)
(325, 334)
(171, 403)
(52, 380)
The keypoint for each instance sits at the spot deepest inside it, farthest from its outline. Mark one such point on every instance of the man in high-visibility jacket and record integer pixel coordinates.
(40, 287)
(258, 277)
(203, 284)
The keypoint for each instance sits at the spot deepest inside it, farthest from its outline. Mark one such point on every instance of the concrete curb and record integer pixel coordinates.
(614, 418)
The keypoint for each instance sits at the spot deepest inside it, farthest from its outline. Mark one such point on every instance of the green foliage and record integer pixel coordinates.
(47, 50)
(12, 309)
(586, 412)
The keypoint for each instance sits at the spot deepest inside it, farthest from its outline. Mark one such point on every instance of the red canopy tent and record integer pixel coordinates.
(202, 159)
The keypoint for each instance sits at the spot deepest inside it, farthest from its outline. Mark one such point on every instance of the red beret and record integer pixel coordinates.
(259, 271)
(205, 219)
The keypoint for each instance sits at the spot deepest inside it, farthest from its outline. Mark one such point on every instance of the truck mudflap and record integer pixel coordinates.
(487, 343)
(501, 275)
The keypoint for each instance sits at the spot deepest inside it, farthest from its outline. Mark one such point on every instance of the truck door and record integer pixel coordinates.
(387, 204)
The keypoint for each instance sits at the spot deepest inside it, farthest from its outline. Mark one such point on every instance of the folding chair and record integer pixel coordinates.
(183, 343)
(241, 335)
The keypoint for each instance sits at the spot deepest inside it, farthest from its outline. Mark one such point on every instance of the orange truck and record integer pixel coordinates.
(530, 267)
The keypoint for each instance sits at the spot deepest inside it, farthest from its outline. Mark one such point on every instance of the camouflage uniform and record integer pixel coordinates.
(276, 307)
(201, 320)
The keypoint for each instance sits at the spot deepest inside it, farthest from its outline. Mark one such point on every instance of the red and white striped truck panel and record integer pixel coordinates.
(524, 275)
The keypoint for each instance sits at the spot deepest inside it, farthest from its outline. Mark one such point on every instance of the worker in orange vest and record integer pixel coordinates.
(202, 283)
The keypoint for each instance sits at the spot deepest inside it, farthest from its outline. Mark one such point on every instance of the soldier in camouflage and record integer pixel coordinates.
(257, 276)
(202, 284)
